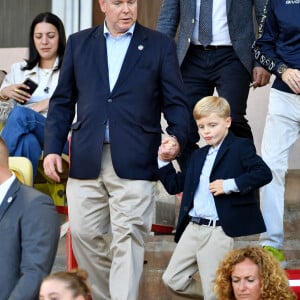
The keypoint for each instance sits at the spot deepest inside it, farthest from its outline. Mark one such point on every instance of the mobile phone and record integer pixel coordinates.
(32, 86)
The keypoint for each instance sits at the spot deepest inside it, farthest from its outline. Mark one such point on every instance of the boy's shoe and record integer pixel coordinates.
(278, 254)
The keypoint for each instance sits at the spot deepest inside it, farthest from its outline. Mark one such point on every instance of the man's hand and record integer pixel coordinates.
(292, 78)
(260, 76)
(169, 149)
(53, 166)
(216, 187)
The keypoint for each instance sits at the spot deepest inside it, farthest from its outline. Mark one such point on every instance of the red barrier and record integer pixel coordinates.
(294, 280)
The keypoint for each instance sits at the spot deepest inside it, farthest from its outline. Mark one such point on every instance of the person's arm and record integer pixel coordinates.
(265, 46)
(260, 75)
(256, 174)
(168, 19)
(175, 181)
(172, 180)
(60, 116)
(40, 106)
(13, 83)
(175, 108)
(268, 44)
(39, 241)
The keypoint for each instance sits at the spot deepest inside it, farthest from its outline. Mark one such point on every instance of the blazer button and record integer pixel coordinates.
(109, 100)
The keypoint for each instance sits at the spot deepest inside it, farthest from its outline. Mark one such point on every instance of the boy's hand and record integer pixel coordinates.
(216, 187)
(168, 149)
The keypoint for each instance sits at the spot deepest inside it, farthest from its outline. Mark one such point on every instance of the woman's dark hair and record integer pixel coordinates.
(34, 56)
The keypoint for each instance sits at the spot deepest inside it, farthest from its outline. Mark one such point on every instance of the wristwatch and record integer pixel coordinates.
(282, 68)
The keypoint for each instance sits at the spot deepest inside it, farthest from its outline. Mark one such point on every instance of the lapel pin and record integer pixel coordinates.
(140, 47)
(9, 199)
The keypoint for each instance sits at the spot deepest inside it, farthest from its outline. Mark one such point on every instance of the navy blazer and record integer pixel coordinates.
(239, 213)
(29, 235)
(149, 83)
(181, 14)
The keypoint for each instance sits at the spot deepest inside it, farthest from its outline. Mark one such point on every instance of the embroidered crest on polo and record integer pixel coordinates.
(9, 199)
(140, 47)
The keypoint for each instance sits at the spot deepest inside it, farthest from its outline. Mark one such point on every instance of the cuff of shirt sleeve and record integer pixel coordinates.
(229, 186)
(161, 163)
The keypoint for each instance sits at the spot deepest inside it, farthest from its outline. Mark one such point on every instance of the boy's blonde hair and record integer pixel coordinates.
(209, 105)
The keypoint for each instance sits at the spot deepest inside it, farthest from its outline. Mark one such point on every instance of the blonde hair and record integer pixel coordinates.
(209, 105)
(274, 282)
(75, 281)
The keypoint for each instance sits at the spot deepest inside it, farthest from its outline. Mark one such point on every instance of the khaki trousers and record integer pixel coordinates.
(122, 207)
(200, 248)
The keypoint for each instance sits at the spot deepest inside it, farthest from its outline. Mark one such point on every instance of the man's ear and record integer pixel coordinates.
(102, 5)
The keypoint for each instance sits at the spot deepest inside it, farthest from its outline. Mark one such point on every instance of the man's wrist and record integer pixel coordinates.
(281, 69)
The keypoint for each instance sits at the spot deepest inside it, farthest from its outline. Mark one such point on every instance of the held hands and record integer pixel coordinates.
(14, 92)
(52, 166)
(169, 148)
(216, 187)
(292, 78)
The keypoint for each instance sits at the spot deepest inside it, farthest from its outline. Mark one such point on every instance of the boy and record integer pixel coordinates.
(219, 199)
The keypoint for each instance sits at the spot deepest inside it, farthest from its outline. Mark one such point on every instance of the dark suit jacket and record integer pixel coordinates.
(181, 14)
(149, 83)
(29, 234)
(239, 213)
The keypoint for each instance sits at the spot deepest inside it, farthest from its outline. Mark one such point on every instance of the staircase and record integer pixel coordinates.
(159, 248)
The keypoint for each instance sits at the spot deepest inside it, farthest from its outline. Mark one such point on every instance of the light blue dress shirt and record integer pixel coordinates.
(204, 203)
(116, 50)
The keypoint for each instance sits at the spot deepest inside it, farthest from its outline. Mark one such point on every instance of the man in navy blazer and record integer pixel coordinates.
(29, 234)
(118, 78)
(225, 63)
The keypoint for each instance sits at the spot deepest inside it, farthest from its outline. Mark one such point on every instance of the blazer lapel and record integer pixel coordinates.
(9, 198)
(134, 52)
(228, 5)
(223, 149)
(100, 53)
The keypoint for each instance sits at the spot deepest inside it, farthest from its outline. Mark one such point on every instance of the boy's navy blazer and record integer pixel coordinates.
(239, 213)
(149, 83)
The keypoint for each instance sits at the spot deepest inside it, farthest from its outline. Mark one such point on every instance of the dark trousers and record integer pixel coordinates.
(204, 71)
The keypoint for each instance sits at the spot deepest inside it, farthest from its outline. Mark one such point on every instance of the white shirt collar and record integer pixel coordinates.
(4, 187)
(129, 31)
